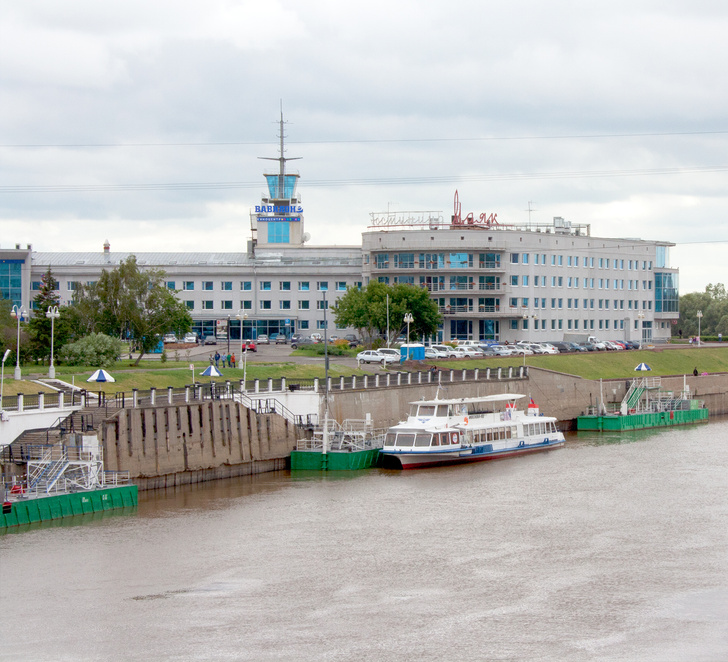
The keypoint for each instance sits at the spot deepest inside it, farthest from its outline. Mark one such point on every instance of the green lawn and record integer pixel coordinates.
(591, 365)
(161, 375)
(616, 365)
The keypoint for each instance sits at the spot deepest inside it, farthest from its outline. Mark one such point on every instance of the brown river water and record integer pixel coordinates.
(612, 548)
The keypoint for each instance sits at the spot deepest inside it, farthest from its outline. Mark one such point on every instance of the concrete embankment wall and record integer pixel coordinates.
(191, 443)
(557, 394)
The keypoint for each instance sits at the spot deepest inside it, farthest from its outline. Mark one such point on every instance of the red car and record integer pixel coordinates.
(250, 346)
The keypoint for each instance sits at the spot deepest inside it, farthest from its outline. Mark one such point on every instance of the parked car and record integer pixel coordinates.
(433, 353)
(302, 342)
(210, 340)
(374, 356)
(389, 351)
(250, 346)
(502, 350)
(563, 347)
(317, 337)
(352, 339)
(263, 339)
(281, 339)
(169, 338)
(190, 338)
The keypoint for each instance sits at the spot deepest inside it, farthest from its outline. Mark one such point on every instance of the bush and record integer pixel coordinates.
(97, 350)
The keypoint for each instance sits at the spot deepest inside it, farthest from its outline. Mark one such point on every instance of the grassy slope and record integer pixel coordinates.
(592, 365)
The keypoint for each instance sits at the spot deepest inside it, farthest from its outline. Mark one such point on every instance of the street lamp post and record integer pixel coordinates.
(242, 317)
(228, 335)
(640, 317)
(408, 320)
(52, 314)
(700, 316)
(2, 377)
(18, 314)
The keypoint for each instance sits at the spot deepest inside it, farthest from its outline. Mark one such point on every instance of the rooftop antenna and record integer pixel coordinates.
(282, 158)
(529, 210)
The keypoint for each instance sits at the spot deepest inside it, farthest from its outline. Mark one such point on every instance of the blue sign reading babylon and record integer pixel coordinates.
(278, 209)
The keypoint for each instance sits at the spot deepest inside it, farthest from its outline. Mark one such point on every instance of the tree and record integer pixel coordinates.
(131, 303)
(713, 303)
(97, 350)
(367, 311)
(40, 326)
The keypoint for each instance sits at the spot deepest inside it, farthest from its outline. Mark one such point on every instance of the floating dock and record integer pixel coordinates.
(351, 446)
(57, 506)
(645, 406)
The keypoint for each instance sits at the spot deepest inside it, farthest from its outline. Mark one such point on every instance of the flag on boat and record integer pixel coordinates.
(642, 367)
(532, 408)
(211, 371)
(101, 376)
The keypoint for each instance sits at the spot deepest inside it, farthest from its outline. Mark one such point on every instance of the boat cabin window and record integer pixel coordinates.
(442, 410)
(405, 439)
(426, 410)
(390, 438)
(422, 439)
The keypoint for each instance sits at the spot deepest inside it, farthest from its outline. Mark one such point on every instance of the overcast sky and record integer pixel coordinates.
(612, 114)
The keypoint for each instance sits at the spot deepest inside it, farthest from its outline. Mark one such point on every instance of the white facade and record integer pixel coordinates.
(537, 282)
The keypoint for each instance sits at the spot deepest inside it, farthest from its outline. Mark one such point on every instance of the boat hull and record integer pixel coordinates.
(415, 460)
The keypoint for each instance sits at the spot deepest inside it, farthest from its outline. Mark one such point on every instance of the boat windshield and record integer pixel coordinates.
(421, 439)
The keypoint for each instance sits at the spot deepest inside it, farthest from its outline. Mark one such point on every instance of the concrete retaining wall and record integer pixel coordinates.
(181, 444)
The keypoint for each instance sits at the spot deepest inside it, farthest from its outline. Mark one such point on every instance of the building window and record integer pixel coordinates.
(322, 286)
(35, 285)
(207, 305)
(285, 305)
(246, 285)
(265, 285)
(227, 305)
(341, 285)
(304, 305)
(404, 260)
(321, 324)
(207, 285)
(246, 305)
(226, 285)
(266, 305)
(515, 258)
(190, 305)
(278, 232)
(381, 261)
(303, 324)
(524, 279)
(73, 285)
(322, 305)
(303, 286)
(285, 285)
(188, 285)
(170, 285)
(514, 281)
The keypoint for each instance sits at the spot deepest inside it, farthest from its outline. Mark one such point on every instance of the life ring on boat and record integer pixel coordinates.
(466, 420)
(454, 438)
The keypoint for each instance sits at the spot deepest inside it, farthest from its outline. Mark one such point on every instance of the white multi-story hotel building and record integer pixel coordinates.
(490, 281)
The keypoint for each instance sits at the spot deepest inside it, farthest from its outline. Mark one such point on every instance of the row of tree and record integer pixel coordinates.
(713, 303)
(126, 303)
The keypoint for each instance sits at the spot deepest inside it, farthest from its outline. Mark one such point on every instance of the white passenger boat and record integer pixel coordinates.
(448, 431)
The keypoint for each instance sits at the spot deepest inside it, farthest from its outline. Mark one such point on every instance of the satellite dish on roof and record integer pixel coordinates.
(306, 237)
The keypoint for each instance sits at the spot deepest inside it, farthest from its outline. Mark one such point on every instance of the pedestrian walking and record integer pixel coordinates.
(222, 360)
(217, 359)
(232, 358)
